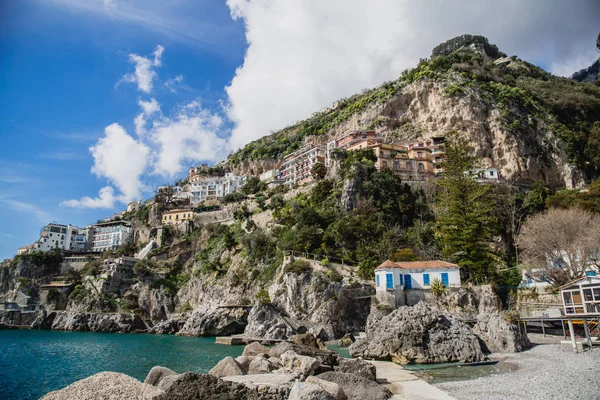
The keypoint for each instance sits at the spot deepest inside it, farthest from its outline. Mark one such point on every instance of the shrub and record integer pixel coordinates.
(437, 287)
(263, 297)
(334, 276)
(298, 267)
(234, 197)
(53, 296)
(325, 262)
(79, 294)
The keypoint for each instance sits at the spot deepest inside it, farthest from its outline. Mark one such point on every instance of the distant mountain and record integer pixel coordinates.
(528, 123)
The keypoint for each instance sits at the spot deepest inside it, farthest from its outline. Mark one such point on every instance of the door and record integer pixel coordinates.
(407, 282)
(445, 279)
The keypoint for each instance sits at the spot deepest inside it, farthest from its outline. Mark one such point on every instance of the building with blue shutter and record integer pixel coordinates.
(392, 279)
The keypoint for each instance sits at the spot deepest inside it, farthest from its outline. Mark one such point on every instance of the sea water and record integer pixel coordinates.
(33, 363)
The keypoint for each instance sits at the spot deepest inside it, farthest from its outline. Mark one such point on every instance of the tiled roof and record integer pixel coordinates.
(417, 264)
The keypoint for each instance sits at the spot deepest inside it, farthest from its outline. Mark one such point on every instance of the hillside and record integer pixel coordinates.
(527, 123)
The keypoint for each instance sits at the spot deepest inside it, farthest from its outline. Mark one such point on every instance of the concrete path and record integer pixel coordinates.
(405, 385)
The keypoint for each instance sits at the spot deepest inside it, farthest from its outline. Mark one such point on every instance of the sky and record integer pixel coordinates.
(101, 101)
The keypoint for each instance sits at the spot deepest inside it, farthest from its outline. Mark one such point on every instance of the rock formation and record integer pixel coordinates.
(419, 335)
(501, 335)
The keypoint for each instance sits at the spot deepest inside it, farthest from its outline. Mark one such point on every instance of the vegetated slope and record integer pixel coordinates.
(524, 121)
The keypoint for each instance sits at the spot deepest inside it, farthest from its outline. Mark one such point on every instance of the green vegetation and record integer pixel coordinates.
(318, 171)
(254, 185)
(209, 258)
(234, 197)
(262, 296)
(437, 287)
(47, 263)
(298, 267)
(588, 200)
(79, 294)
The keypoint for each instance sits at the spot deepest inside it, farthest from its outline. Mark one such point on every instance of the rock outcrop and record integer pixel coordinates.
(500, 335)
(356, 387)
(419, 335)
(215, 322)
(95, 322)
(106, 385)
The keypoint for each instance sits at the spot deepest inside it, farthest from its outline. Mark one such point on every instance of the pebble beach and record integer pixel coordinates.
(548, 371)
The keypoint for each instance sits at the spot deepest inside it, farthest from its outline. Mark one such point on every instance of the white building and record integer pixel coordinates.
(63, 237)
(110, 235)
(392, 279)
(486, 175)
(213, 187)
(271, 177)
(296, 167)
(134, 206)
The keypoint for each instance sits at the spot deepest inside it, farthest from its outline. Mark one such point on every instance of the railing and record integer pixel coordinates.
(317, 257)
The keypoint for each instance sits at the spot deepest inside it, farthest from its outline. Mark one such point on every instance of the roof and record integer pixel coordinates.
(178, 211)
(417, 264)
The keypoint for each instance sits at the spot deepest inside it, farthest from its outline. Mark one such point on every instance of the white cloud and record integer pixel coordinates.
(108, 4)
(148, 109)
(304, 54)
(172, 82)
(572, 65)
(189, 136)
(144, 72)
(26, 208)
(106, 199)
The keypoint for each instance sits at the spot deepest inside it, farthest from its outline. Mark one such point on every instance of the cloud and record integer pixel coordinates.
(172, 82)
(108, 4)
(26, 208)
(189, 136)
(144, 72)
(304, 54)
(106, 199)
(148, 109)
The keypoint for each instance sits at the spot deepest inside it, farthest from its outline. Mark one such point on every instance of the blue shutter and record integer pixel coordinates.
(426, 279)
(376, 280)
(445, 280)
(407, 282)
(590, 273)
(389, 281)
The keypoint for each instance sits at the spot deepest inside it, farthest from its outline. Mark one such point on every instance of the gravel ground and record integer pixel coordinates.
(544, 372)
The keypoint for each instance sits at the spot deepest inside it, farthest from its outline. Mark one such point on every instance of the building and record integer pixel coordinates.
(296, 167)
(134, 206)
(176, 217)
(582, 296)
(25, 249)
(349, 139)
(410, 164)
(486, 175)
(110, 235)
(271, 178)
(392, 279)
(63, 237)
(204, 188)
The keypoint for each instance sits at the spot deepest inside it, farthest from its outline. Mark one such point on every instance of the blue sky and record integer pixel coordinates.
(211, 76)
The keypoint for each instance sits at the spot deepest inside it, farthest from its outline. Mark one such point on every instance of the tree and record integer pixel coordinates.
(318, 171)
(73, 277)
(253, 185)
(560, 245)
(165, 194)
(465, 209)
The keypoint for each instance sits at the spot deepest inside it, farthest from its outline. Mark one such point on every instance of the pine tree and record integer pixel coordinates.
(465, 222)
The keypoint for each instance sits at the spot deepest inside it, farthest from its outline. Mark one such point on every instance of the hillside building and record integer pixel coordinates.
(110, 235)
(205, 188)
(62, 237)
(176, 217)
(296, 167)
(349, 139)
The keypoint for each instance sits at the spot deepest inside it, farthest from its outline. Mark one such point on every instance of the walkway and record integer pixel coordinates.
(405, 385)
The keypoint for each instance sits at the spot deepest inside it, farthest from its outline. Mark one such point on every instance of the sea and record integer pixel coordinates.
(33, 363)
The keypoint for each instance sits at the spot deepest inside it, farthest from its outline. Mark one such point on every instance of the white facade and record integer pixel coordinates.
(134, 206)
(486, 175)
(63, 237)
(415, 275)
(269, 175)
(214, 187)
(296, 167)
(110, 235)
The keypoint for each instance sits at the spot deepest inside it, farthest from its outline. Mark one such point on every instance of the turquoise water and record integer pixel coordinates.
(33, 363)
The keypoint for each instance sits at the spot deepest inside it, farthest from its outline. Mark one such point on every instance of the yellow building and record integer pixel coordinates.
(176, 217)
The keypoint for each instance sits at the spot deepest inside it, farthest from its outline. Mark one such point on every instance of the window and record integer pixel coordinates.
(389, 281)
(567, 298)
(426, 279)
(421, 167)
(491, 173)
(384, 164)
(591, 273)
(420, 154)
(396, 165)
(587, 293)
(445, 279)
(364, 135)
(377, 280)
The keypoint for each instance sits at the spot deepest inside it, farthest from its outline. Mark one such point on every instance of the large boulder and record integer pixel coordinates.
(156, 374)
(261, 365)
(168, 327)
(306, 339)
(309, 391)
(254, 349)
(326, 357)
(266, 322)
(226, 367)
(215, 322)
(191, 386)
(279, 383)
(303, 365)
(501, 335)
(347, 340)
(418, 335)
(330, 387)
(356, 387)
(106, 385)
(358, 366)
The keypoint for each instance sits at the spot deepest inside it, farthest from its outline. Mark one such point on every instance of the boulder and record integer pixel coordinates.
(96, 322)
(347, 340)
(156, 374)
(360, 367)
(191, 386)
(500, 335)
(226, 367)
(168, 327)
(306, 339)
(330, 387)
(266, 322)
(356, 387)
(326, 357)
(106, 385)
(215, 322)
(260, 365)
(309, 391)
(303, 365)
(419, 335)
(254, 349)
(278, 383)
(244, 362)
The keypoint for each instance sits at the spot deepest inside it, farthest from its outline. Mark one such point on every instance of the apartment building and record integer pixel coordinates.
(349, 139)
(176, 217)
(203, 188)
(296, 167)
(110, 235)
(63, 237)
